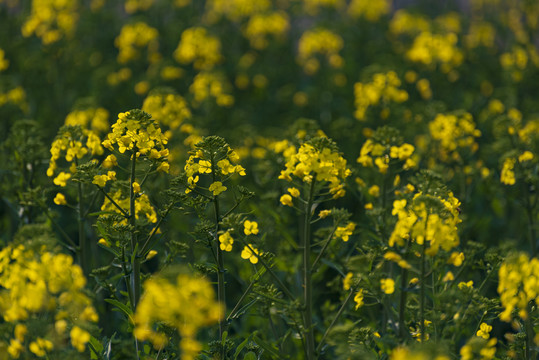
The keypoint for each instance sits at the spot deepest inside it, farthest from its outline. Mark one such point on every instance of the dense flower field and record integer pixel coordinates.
(269, 179)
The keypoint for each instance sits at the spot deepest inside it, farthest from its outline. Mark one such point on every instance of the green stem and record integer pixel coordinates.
(530, 334)
(307, 281)
(422, 283)
(326, 244)
(319, 347)
(402, 304)
(84, 254)
(135, 258)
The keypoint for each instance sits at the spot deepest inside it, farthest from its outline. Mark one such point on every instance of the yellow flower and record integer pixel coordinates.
(448, 277)
(324, 213)
(251, 255)
(456, 259)
(226, 241)
(151, 254)
(136, 187)
(60, 199)
(484, 330)
(347, 281)
(374, 190)
(286, 200)
(387, 285)
(217, 188)
(359, 299)
(250, 227)
(79, 338)
(293, 191)
(525, 156)
(61, 179)
(344, 232)
(465, 285)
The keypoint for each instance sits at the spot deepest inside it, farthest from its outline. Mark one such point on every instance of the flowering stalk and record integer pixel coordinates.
(83, 245)
(307, 281)
(422, 288)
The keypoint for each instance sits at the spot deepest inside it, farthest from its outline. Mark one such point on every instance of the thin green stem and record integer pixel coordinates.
(238, 304)
(326, 244)
(70, 243)
(339, 312)
(422, 283)
(402, 304)
(135, 258)
(84, 255)
(530, 334)
(124, 213)
(307, 280)
(273, 275)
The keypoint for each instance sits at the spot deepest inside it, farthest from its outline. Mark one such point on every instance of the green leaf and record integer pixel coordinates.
(269, 348)
(250, 356)
(241, 346)
(97, 346)
(123, 308)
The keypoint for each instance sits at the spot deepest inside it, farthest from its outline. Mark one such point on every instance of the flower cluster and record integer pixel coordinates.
(135, 131)
(72, 143)
(169, 109)
(317, 160)
(261, 25)
(134, 37)
(452, 132)
(431, 48)
(4, 63)
(427, 218)
(34, 283)
(323, 42)
(213, 157)
(212, 84)
(383, 148)
(370, 10)
(51, 20)
(235, 10)
(15, 96)
(197, 46)
(95, 119)
(383, 89)
(518, 278)
(143, 207)
(186, 305)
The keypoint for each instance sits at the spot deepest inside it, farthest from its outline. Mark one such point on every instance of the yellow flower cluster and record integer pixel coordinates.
(322, 164)
(402, 353)
(313, 6)
(212, 84)
(517, 286)
(4, 63)
(15, 96)
(478, 348)
(143, 207)
(222, 166)
(72, 143)
(187, 305)
(380, 154)
(404, 22)
(136, 131)
(197, 46)
(96, 119)
(37, 282)
(261, 25)
(323, 42)
(235, 10)
(393, 256)
(451, 133)
(507, 175)
(132, 6)
(420, 222)
(370, 10)
(51, 20)
(384, 88)
(480, 33)
(440, 49)
(344, 232)
(134, 37)
(169, 109)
